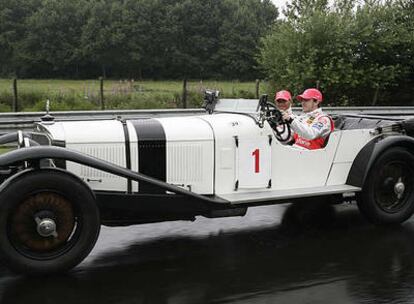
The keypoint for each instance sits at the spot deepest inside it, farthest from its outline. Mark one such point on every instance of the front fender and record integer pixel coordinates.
(18, 175)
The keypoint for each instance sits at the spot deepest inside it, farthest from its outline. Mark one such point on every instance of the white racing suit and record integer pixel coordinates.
(311, 130)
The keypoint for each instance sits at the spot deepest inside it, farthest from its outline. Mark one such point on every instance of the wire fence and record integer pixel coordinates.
(31, 95)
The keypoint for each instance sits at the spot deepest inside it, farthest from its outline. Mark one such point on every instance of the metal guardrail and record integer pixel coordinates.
(379, 111)
(26, 120)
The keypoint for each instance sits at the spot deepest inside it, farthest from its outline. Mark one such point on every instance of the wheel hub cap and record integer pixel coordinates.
(399, 188)
(42, 224)
(46, 227)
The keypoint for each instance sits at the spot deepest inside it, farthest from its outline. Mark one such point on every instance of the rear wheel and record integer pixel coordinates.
(50, 222)
(388, 193)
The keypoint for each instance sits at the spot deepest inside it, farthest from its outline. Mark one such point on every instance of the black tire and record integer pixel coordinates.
(30, 201)
(388, 194)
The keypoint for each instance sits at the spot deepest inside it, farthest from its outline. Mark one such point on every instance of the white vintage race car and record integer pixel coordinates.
(69, 177)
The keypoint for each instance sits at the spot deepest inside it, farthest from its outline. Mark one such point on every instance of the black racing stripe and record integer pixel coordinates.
(152, 152)
(127, 154)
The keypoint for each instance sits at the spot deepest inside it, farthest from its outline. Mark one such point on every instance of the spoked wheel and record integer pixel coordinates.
(43, 225)
(50, 222)
(393, 185)
(388, 194)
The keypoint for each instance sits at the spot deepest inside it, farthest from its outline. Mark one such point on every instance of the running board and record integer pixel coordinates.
(263, 196)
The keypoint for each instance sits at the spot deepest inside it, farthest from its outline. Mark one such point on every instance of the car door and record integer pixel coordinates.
(254, 162)
(296, 168)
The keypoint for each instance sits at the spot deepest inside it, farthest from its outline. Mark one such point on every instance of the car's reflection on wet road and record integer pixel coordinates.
(276, 254)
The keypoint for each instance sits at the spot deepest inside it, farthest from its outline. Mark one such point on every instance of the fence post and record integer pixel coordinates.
(15, 100)
(257, 87)
(375, 97)
(184, 98)
(101, 93)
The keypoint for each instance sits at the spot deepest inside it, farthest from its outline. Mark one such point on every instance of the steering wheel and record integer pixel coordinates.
(274, 117)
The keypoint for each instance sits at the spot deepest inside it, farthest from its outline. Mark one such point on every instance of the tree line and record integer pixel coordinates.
(133, 38)
(357, 52)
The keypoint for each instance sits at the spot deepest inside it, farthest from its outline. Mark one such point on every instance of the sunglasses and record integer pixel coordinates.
(281, 101)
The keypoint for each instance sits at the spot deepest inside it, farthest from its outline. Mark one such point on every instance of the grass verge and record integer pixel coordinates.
(122, 94)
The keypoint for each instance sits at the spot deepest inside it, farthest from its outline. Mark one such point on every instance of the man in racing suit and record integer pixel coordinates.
(283, 100)
(313, 127)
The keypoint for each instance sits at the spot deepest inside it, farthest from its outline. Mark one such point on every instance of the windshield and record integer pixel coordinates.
(238, 105)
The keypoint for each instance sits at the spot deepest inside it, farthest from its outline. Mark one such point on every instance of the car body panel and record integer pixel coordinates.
(102, 139)
(190, 153)
(236, 138)
(228, 155)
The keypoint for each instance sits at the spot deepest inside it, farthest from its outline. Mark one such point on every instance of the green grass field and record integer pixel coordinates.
(122, 94)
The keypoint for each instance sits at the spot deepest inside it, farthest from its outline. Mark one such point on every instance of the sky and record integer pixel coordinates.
(279, 3)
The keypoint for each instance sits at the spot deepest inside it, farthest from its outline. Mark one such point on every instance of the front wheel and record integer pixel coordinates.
(388, 193)
(49, 222)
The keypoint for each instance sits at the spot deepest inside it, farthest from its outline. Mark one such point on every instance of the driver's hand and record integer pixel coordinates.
(286, 116)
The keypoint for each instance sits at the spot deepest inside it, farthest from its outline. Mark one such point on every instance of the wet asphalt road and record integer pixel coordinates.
(275, 254)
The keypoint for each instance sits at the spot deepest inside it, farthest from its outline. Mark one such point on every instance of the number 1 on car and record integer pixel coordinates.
(256, 154)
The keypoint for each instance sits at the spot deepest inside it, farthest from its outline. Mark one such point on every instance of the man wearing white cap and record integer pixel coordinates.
(313, 127)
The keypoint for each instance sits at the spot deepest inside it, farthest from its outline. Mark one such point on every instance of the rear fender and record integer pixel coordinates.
(370, 152)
